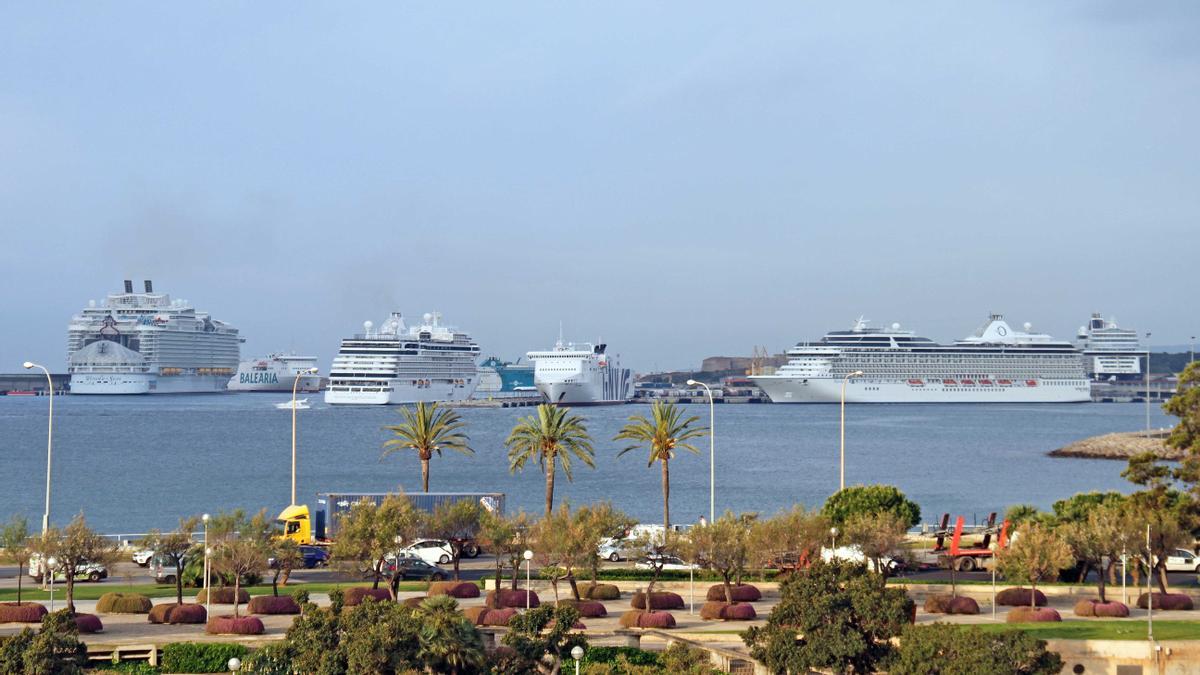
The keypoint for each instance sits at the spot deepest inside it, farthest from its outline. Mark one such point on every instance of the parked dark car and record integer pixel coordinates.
(314, 556)
(412, 567)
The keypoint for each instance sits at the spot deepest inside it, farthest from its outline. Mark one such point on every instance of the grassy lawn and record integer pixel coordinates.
(89, 591)
(1103, 630)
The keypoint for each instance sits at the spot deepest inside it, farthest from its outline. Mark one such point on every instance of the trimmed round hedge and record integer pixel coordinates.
(658, 600)
(222, 596)
(497, 617)
(454, 589)
(230, 625)
(123, 603)
(355, 595)
(1166, 601)
(588, 609)
(945, 604)
(638, 619)
(88, 623)
(1026, 614)
(723, 611)
(1111, 609)
(742, 593)
(601, 592)
(475, 614)
(26, 612)
(1015, 597)
(271, 604)
(173, 613)
(510, 598)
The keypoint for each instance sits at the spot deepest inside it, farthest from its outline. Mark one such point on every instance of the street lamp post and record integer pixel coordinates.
(1147, 386)
(49, 442)
(845, 381)
(577, 654)
(1149, 587)
(295, 384)
(833, 532)
(712, 452)
(528, 555)
(206, 552)
(51, 563)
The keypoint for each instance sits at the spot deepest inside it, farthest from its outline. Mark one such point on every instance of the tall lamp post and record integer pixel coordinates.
(845, 381)
(207, 591)
(712, 452)
(528, 555)
(295, 384)
(49, 442)
(1147, 386)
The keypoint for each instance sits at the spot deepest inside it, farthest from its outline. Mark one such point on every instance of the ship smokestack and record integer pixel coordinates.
(149, 286)
(128, 285)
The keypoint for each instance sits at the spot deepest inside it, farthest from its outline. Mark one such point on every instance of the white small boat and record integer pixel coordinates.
(301, 404)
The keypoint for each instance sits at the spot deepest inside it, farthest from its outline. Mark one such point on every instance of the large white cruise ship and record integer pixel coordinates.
(400, 364)
(276, 372)
(996, 364)
(147, 343)
(580, 374)
(1111, 352)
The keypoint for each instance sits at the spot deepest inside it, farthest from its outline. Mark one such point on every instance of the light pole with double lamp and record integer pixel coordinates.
(295, 384)
(845, 381)
(712, 452)
(49, 441)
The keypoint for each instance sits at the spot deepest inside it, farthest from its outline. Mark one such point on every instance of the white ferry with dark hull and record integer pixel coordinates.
(996, 364)
(398, 364)
(580, 374)
(1111, 353)
(147, 343)
(276, 372)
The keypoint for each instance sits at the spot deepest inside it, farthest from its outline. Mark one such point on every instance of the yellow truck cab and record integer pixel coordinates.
(296, 524)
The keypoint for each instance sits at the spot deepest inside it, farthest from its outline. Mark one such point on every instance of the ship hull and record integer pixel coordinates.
(829, 390)
(403, 393)
(111, 384)
(573, 394)
(308, 384)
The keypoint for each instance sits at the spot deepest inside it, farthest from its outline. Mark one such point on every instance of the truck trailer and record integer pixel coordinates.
(321, 527)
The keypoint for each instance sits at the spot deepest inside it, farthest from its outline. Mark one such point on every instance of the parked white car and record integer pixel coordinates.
(616, 550)
(432, 551)
(669, 562)
(853, 554)
(142, 557)
(1183, 561)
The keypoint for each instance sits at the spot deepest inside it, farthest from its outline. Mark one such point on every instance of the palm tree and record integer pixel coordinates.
(550, 437)
(665, 433)
(447, 641)
(427, 429)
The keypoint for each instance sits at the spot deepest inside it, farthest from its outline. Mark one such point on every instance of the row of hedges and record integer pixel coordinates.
(455, 589)
(721, 610)
(510, 598)
(740, 593)
(1101, 609)
(484, 616)
(588, 609)
(172, 613)
(945, 604)
(200, 657)
(639, 619)
(663, 600)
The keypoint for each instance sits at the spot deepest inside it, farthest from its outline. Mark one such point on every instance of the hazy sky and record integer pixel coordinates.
(682, 179)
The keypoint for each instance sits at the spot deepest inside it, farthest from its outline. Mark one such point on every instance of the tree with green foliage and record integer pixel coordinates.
(14, 539)
(285, 557)
(174, 547)
(243, 552)
(55, 649)
(1020, 514)
(665, 432)
(1036, 554)
(507, 537)
(74, 547)
(372, 532)
(561, 548)
(543, 637)
(1185, 405)
(722, 546)
(1169, 513)
(838, 617)
(1098, 540)
(949, 649)
(843, 504)
(551, 438)
(599, 522)
(789, 539)
(1076, 508)
(448, 641)
(426, 430)
(878, 535)
(458, 523)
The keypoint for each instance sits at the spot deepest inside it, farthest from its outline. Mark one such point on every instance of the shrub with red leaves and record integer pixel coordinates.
(222, 596)
(354, 595)
(229, 625)
(1027, 614)
(601, 592)
(454, 589)
(663, 600)
(588, 609)
(1015, 597)
(498, 617)
(88, 623)
(742, 593)
(717, 610)
(26, 612)
(1167, 601)
(270, 604)
(511, 598)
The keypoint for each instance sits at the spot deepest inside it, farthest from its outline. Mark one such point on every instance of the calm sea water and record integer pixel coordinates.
(133, 463)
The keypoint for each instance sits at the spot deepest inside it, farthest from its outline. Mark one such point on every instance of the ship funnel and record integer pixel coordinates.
(149, 286)
(129, 285)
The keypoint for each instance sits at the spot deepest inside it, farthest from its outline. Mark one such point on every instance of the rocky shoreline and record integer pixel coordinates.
(1122, 446)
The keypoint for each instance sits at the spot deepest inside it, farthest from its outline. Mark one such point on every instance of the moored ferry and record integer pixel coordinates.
(276, 372)
(1111, 353)
(580, 374)
(996, 364)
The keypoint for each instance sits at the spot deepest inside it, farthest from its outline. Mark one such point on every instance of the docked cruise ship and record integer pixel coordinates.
(276, 372)
(402, 364)
(147, 343)
(996, 364)
(580, 374)
(1110, 352)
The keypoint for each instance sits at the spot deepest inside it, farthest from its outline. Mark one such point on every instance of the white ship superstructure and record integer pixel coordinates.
(996, 364)
(580, 374)
(147, 343)
(276, 372)
(401, 364)
(1110, 352)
